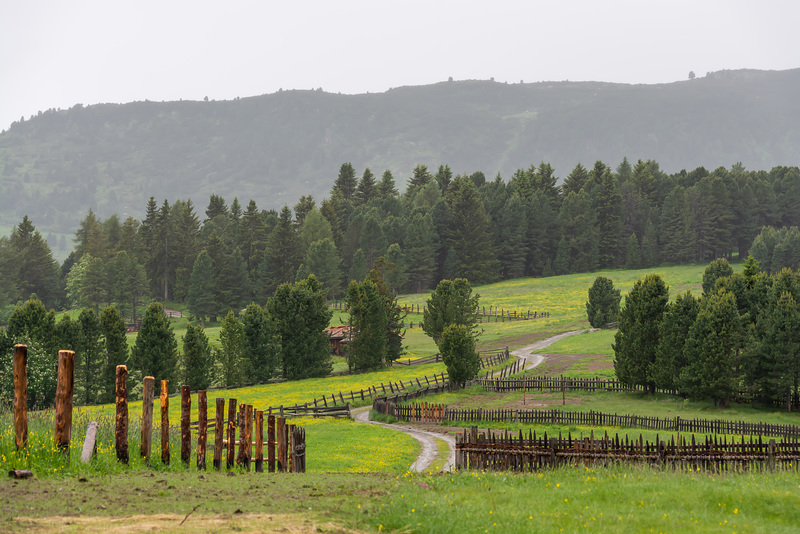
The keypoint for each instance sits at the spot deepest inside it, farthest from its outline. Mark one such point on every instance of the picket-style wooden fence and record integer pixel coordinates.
(499, 451)
(555, 383)
(492, 314)
(440, 413)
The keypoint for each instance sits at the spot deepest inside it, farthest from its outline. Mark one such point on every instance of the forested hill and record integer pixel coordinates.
(275, 148)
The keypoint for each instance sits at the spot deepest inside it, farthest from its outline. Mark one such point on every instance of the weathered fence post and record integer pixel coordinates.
(219, 429)
(64, 390)
(771, 446)
(280, 431)
(271, 443)
(165, 422)
(186, 431)
(231, 432)
(90, 443)
(259, 441)
(148, 392)
(122, 413)
(20, 396)
(202, 428)
(248, 432)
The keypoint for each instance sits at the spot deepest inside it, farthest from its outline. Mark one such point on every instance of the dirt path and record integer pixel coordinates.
(427, 440)
(533, 360)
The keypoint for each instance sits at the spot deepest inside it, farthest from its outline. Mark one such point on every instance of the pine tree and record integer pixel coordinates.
(37, 271)
(575, 180)
(636, 341)
(89, 353)
(395, 317)
(608, 202)
(396, 274)
(322, 260)
(301, 316)
(202, 287)
(232, 356)
(468, 234)
(282, 255)
(197, 358)
(367, 189)
(633, 256)
(718, 268)
(671, 358)
(359, 268)
(302, 209)
(443, 178)
(346, 182)
(603, 305)
(187, 230)
(513, 241)
(155, 352)
(386, 187)
(712, 349)
(115, 347)
(373, 240)
(457, 346)
(262, 345)
(368, 325)
(419, 244)
(452, 302)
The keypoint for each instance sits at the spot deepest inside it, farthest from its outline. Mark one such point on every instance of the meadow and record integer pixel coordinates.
(358, 479)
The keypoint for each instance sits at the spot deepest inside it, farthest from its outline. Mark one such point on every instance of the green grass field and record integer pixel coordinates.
(371, 491)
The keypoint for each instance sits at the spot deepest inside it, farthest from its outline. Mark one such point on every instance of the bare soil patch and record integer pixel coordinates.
(556, 364)
(194, 523)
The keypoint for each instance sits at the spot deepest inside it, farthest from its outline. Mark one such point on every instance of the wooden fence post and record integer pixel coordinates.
(271, 443)
(219, 429)
(122, 413)
(186, 431)
(280, 431)
(90, 443)
(242, 435)
(165, 422)
(20, 396)
(248, 431)
(259, 441)
(148, 392)
(64, 391)
(231, 432)
(202, 428)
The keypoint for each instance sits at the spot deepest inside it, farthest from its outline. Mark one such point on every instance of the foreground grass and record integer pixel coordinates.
(332, 445)
(624, 499)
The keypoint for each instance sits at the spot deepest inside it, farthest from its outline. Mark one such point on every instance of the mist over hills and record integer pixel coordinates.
(276, 147)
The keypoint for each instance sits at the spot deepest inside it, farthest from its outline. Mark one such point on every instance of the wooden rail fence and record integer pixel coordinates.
(556, 383)
(439, 413)
(500, 450)
(489, 358)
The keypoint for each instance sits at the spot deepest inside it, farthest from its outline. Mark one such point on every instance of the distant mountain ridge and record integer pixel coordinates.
(276, 147)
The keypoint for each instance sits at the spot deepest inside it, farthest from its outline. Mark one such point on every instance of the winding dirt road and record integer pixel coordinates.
(427, 440)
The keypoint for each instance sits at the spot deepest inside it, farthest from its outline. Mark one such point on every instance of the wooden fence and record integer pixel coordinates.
(499, 451)
(439, 413)
(489, 358)
(556, 383)
(493, 312)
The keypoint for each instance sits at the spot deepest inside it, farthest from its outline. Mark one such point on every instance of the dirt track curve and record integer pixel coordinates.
(427, 440)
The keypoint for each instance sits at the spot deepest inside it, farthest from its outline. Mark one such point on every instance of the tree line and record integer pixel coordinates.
(284, 339)
(440, 227)
(740, 338)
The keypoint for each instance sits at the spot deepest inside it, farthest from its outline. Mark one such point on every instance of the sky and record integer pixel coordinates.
(55, 54)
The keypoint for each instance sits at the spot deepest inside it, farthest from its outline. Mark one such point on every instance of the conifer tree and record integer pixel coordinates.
(232, 354)
(367, 189)
(282, 255)
(115, 347)
(713, 350)
(419, 244)
(457, 346)
(155, 352)
(603, 304)
(636, 341)
(368, 326)
(197, 358)
(322, 260)
(358, 270)
(201, 299)
(89, 354)
(262, 345)
(671, 357)
(452, 302)
(386, 187)
(346, 182)
(301, 316)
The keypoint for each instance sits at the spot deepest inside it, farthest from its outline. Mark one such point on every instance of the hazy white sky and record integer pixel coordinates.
(54, 54)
